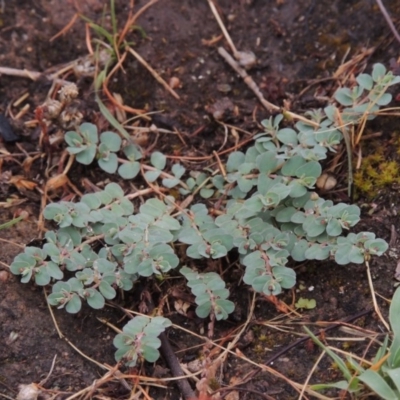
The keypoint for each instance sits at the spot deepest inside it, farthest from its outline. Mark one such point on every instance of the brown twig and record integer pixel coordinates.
(253, 86)
(233, 388)
(153, 72)
(168, 353)
(175, 367)
(248, 80)
(304, 339)
(33, 75)
(223, 29)
(388, 20)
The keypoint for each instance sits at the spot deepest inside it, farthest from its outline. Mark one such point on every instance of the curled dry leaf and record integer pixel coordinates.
(21, 183)
(181, 307)
(120, 113)
(141, 138)
(56, 182)
(28, 392)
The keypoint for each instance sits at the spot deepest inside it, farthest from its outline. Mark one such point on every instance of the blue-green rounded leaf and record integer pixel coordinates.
(178, 170)
(356, 255)
(287, 136)
(151, 176)
(292, 165)
(75, 284)
(314, 225)
(127, 206)
(206, 193)
(223, 308)
(235, 159)
(91, 200)
(74, 305)
(54, 270)
(87, 156)
(376, 246)
(333, 228)
(55, 299)
(150, 354)
(317, 251)
(129, 170)
(170, 182)
(132, 152)
(107, 290)
(285, 276)
(109, 163)
(76, 150)
(74, 140)
(310, 169)
(365, 81)
(245, 185)
(297, 189)
(342, 254)
(344, 96)
(42, 277)
(378, 72)
(158, 160)
(112, 140)
(204, 310)
(114, 190)
(384, 99)
(267, 285)
(95, 299)
(54, 209)
(267, 162)
(89, 132)
(285, 214)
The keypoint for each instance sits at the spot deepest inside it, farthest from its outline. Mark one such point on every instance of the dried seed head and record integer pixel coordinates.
(68, 93)
(51, 109)
(70, 118)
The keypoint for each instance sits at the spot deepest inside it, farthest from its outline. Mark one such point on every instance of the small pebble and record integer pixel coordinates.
(6, 132)
(326, 182)
(175, 83)
(334, 302)
(224, 87)
(4, 276)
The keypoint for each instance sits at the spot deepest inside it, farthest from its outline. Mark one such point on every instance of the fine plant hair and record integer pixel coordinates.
(268, 212)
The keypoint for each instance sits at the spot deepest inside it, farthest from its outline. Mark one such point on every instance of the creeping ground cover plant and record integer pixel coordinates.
(265, 208)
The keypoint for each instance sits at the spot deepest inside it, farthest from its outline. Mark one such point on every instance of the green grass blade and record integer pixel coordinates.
(11, 223)
(375, 382)
(113, 17)
(340, 363)
(394, 313)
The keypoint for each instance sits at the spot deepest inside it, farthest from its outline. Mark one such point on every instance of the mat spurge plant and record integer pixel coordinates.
(268, 212)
